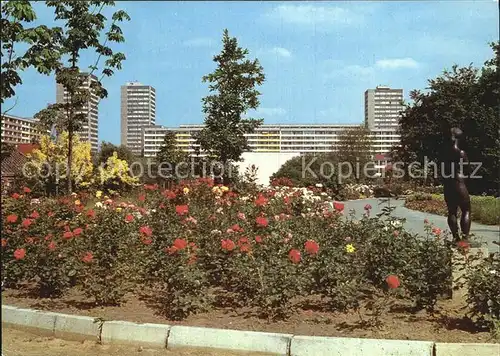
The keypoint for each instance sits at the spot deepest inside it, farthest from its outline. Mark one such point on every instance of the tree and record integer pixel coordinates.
(7, 150)
(466, 98)
(233, 87)
(50, 158)
(310, 169)
(39, 42)
(169, 155)
(108, 149)
(354, 148)
(84, 23)
(115, 175)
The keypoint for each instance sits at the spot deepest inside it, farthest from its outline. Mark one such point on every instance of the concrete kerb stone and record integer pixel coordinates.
(149, 335)
(444, 349)
(76, 327)
(162, 336)
(43, 322)
(333, 346)
(186, 336)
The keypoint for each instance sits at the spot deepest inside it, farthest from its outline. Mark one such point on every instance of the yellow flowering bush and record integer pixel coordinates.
(54, 155)
(115, 175)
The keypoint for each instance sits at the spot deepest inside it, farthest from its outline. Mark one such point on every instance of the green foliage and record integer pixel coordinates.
(298, 170)
(198, 246)
(354, 147)
(233, 90)
(83, 26)
(107, 150)
(483, 283)
(112, 242)
(40, 43)
(462, 97)
(169, 156)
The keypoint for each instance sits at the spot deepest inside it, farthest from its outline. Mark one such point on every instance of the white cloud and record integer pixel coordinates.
(311, 15)
(199, 42)
(396, 63)
(275, 52)
(271, 111)
(281, 52)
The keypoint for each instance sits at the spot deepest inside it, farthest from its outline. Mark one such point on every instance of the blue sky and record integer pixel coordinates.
(318, 57)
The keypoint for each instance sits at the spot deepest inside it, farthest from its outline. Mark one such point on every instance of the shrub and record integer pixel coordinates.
(196, 245)
(483, 284)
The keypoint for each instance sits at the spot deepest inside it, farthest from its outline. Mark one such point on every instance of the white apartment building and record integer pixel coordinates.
(138, 110)
(90, 127)
(289, 138)
(17, 130)
(383, 107)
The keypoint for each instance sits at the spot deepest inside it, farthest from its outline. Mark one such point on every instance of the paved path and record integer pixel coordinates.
(23, 343)
(415, 219)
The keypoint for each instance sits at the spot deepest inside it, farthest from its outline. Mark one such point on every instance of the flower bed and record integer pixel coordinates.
(200, 247)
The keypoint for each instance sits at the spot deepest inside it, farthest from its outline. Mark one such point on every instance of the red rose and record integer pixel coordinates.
(91, 213)
(50, 214)
(4, 242)
(48, 237)
(338, 206)
(169, 194)
(147, 241)
(142, 197)
(392, 281)
(27, 222)
(35, 215)
(180, 244)
(181, 209)
(170, 250)
(261, 200)
(228, 245)
(368, 207)
(311, 247)
(52, 246)
(12, 218)
(236, 228)
(88, 257)
(258, 239)
(245, 248)
(67, 235)
(15, 196)
(77, 231)
(463, 245)
(19, 253)
(294, 256)
(436, 231)
(26, 190)
(146, 230)
(262, 221)
(129, 218)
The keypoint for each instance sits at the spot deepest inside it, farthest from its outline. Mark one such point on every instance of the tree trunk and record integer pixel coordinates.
(70, 159)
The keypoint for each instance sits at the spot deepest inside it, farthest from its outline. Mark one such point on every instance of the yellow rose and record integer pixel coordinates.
(77, 202)
(185, 190)
(350, 248)
(224, 188)
(118, 209)
(98, 194)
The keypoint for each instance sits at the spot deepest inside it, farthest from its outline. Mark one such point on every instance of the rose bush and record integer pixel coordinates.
(197, 246)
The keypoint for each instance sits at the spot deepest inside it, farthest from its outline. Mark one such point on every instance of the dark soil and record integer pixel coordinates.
(447, 324)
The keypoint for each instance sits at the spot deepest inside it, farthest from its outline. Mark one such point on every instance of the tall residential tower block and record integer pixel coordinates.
(138, 110)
